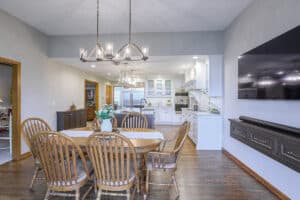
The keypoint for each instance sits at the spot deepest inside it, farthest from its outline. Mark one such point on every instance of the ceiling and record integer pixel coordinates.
(168, 65)
(74, 17)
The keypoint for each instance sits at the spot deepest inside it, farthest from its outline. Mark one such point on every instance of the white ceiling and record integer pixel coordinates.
(168, 65)
(73, 17)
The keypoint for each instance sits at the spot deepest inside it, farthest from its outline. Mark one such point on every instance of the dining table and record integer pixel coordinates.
(144, 140)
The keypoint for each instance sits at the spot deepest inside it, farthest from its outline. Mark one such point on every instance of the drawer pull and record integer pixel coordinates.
(290, 154)
(261, 142)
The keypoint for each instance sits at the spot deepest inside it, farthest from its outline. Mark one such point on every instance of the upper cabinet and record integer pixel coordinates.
(150, 88)
(206, 76)
(159, 87)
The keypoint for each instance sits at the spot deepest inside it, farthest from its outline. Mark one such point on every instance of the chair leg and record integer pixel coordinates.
(147, 182)
(47, 195)
(175, 184)
(36, 170)
(99, 194)
(77, 195)
(133, 192)
(95, 187)
(128, 194)
(147, 185)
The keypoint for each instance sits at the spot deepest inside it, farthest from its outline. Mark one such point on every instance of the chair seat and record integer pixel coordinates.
(151, 166)
(157, 161)
(82, 176)
(120, 183)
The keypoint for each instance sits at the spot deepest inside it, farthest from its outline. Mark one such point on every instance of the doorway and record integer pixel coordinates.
(109, 94)
(10, 109)
(91, 96)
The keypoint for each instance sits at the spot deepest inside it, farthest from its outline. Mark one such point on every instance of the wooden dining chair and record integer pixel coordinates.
(63, 163)
(166, 161)
(29, 128)
(114, 161)
(134, 120)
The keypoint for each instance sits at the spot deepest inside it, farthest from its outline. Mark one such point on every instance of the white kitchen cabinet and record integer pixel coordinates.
(215, 85)
(201, 70)
(150, 88)
(206, 76)
(158, 88)
(167, 116)
(205, 130)
(209, 132)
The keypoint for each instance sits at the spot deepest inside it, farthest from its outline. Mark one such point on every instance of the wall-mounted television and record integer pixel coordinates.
(271, 70)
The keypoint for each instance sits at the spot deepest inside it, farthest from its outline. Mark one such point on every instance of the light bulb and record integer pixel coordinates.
(109, 48)
(145, 51)
(99, 54)
(127, 52)
(83, 53)
(117, 56)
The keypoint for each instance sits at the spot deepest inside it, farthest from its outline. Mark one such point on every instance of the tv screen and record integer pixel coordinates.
(272, 70)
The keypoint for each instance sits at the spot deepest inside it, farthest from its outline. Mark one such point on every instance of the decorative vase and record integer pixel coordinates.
(106, 125)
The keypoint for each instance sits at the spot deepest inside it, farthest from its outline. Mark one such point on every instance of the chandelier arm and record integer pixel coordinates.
(123, 47)
(129, 39)
(98, 37)
(139, 49)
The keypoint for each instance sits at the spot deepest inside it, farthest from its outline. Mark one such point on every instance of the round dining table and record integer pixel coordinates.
(142, 146)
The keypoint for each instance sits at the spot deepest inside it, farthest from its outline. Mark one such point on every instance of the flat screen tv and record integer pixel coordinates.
(271, 70)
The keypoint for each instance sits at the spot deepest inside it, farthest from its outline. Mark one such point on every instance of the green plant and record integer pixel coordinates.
(106, 113)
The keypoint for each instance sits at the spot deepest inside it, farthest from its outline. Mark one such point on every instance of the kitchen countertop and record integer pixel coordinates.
(201, 112)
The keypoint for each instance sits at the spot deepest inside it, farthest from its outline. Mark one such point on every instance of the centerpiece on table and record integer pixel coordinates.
(104, 117)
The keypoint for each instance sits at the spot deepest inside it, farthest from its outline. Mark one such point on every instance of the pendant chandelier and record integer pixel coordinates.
(128, 52)
(127, 78)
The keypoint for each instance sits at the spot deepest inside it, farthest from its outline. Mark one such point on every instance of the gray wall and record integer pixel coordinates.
(46, 86)
(261, 21)
(160, 44)
(5, 85)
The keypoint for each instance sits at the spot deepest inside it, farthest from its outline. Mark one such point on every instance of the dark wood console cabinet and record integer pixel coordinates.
(71, 119)
(279, 142)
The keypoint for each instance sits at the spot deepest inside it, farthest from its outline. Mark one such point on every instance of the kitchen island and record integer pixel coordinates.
(120, 114)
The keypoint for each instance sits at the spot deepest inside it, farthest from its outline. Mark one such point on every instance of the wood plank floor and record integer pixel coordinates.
(205, 175)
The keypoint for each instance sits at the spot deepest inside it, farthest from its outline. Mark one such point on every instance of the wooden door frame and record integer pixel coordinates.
(111, 93)
(97, 93)
(16, 105)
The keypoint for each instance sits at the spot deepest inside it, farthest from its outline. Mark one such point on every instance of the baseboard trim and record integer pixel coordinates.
(257, 177)
(25, 155)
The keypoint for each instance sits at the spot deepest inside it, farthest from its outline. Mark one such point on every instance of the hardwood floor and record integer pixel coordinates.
(205, 175)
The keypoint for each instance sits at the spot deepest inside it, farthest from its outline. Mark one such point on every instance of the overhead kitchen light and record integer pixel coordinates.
(128, 52)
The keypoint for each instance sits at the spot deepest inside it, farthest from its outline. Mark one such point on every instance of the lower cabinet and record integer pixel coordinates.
(167, 116)
(206, 129)
(71, 119)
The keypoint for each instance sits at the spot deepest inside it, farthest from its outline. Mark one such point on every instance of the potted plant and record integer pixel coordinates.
(104, 117)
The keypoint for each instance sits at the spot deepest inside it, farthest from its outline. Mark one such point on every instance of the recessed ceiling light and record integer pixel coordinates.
(195, 57)
(93, 66)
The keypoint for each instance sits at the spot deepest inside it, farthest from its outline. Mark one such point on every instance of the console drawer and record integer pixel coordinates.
(239, 132)
(263, 141)
(289, 152)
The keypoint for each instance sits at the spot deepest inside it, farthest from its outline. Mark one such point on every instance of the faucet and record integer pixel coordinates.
(142, 104)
